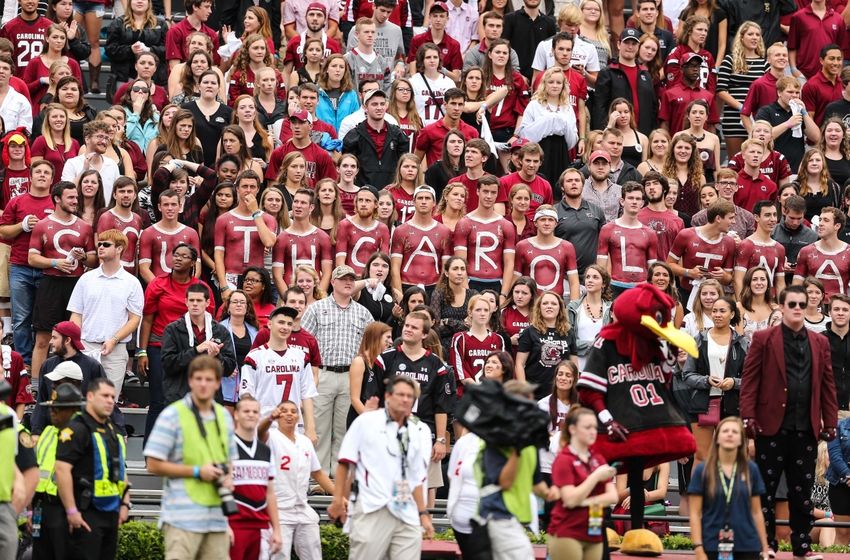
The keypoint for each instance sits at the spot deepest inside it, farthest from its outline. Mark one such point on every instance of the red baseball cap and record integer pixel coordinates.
(317, 6)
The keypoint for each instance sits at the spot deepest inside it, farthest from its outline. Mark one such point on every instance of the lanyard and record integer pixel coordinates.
(403, 438)
(728, 490)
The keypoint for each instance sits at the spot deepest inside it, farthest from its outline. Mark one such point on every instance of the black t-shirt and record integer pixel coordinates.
(840, 109)
(241, 347)
(792, 148)
(437, 394)
(208, 129)
(839, 170)
(25, 459)
(545, 351)
(75, 447)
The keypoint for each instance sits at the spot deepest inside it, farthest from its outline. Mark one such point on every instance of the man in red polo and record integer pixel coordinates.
(824, 87)
(763, 90)
(753, 185)
(450, 54)
(197, 14)
(530, 158)
(676, 98)
(475, 155)
(812, 28)
(429, 143)
(319, 162)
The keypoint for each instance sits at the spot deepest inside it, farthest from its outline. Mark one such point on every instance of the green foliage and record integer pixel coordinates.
(334, 543)
(676, 542)
(140, 540)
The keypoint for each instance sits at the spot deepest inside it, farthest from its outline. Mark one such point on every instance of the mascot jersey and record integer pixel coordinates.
(638, 399)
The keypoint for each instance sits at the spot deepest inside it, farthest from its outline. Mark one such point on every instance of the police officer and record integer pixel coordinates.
(90, 476)
(11, 481)
(49, 528)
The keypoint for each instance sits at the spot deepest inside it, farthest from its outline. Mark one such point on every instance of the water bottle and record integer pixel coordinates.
(36, 522)
(797, 109)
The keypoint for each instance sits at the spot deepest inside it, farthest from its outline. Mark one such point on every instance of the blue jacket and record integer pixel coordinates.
(347, 104)
(141, 132)
(839, 455)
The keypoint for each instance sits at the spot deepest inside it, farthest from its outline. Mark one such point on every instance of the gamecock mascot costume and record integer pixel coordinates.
(626, 381)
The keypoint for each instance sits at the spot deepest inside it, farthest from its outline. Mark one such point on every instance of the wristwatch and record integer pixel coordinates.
(441, 440)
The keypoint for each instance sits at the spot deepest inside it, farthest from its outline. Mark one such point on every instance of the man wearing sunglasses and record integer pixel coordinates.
(107, 304)
(788, 402)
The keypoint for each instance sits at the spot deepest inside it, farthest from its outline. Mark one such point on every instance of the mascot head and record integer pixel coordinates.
(17, 136)
(643, 317)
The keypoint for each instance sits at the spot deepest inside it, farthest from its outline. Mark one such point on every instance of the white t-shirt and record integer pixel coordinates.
(295, 460)
(108, 172)
(583, 53)
(547, 456)
(272, 377)
(430, 107)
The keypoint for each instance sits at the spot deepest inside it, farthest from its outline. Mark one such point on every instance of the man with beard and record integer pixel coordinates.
(62, 246)
(360, 235)
(97, 142)
(599, 188)
(315, 19)
(663, 221)
(66, 346)
(120, 216)
(579, 220)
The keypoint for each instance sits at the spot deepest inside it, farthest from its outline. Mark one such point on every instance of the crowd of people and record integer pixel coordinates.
(308, 225)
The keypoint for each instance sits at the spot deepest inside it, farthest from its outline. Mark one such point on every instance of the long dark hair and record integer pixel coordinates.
(572, 396)
(250, 314)
(409, 293)
(99, 199)
(445, 163)
(527, 281)
(267, 296)
(213, 212)
(384, 257)
(507, 362)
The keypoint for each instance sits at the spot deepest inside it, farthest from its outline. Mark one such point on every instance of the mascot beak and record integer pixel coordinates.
(671, 334)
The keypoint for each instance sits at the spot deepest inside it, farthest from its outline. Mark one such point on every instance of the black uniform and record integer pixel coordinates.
(437, 394)
(75, 447)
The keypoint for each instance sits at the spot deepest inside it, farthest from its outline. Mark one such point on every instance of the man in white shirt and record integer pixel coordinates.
(358, 116)
(14, 107)
(97, 142)
(389, 450)
(585, 58)
(107, 304)
(276, 372)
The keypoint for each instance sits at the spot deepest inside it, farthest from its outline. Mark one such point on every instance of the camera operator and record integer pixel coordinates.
(90, 476)
(192, 445)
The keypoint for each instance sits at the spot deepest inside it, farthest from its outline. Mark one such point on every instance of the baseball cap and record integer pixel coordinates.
(546, 213)
(342, 271)
(66, 395)
(370, 189)
(72, 331)
(425, 189)
(66, 370)
(439, 5)
(317, 6)
(600, 154)
(372, 93)
(630, 34)
(290, 312)
(518, 143)
(301, 115)
(692, 56)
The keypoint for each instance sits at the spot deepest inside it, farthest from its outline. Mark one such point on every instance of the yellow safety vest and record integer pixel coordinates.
(8, 443)
(198, 452)
(45, 454)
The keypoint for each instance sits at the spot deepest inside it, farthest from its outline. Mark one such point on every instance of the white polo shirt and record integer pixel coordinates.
(371, 444)
(295, 461)
(106, 302)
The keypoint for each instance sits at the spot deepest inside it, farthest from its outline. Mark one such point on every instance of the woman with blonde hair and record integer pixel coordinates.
(699, 319)
(363, 384)
(54, 45)
(659, 149)
(292, 176)
(452, 205)
(402, 106)
(593, 30)
(816, 186)
(58, 70)
(551, 328)
(550, 121)
(621, 116)
(337, 94)
(55, 143)
(307, 279)
(683, 165)
(735, 75)
(408, 176)
(327, 210)
(271, 111)
(273, 204)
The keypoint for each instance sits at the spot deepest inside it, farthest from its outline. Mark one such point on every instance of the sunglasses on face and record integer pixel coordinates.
(104, 244)
(795, 304)
(141, 89)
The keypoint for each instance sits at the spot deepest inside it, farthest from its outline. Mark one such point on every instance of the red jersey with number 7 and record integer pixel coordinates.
(271, 377)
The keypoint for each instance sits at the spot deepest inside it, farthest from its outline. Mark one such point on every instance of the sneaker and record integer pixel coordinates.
(810, 556)
(130, 378)
(771, 553)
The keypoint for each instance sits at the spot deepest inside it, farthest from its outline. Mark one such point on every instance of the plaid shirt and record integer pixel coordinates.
(337, 329)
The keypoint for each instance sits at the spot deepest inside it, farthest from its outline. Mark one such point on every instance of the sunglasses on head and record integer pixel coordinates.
(104, 244)
(795, 304)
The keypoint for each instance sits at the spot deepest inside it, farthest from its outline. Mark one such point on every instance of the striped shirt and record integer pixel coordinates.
(738, 85)
(166, 444)
(338, 330)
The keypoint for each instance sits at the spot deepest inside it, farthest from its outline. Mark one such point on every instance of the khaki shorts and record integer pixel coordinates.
(180, 544)
(5, 286)
(435, 475)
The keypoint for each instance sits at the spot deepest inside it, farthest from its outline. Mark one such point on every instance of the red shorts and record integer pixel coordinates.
(246, 544)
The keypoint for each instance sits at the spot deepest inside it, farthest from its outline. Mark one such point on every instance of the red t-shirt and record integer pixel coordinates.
(156, 244)
(132, 228)
(631, 73)
(165, 299)
(294, 53)
(674, 103)
(541, 191)
(54, 239)
(833, 269)
(775, 167)
(549, 266)
(691, 249)
(57, 156)
(430, 139)
(175, 41)
(16, 182)
(486, 243)
(762, 92)
(422, 251)
(319, 126)
(808, 34)
(14, 213)
(16, 376)
(319, 162)
(450, 53)
(346, 200)
(27, 38)
(513, 321)
(818, 92)
(630, 250)
(33, 73)
(569, 470)
(468, 354)
(666, 226)
(472, 191)
(357, 244)
(292, 250)
(239, 238)
(707, 74)
(751, 190)
(505, 113)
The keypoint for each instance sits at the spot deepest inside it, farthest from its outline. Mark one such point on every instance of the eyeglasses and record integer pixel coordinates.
(404, 90)
(795, 304)
(251, 281)
(100, 137)
(238, 302)
(104, 244)
(141, 89)
(727, 184)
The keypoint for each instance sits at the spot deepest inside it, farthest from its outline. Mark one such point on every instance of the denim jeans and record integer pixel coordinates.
(157, 393)
(24, 281)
